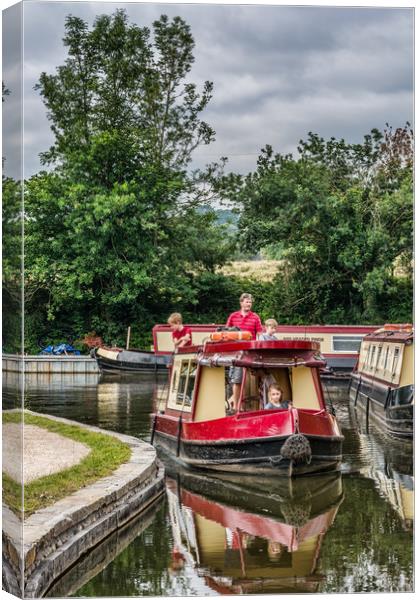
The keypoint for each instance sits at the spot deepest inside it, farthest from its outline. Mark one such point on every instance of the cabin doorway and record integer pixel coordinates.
(255, 387)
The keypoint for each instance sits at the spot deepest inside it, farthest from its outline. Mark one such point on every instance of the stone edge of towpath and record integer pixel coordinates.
(53, 538)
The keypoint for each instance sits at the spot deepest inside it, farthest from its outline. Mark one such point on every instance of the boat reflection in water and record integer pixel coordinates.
(264, 537)
(391, 469)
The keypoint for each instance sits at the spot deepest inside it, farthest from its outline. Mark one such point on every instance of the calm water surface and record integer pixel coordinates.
(351, 532)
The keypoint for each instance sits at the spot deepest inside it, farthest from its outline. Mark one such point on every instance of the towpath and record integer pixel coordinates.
(51, 540)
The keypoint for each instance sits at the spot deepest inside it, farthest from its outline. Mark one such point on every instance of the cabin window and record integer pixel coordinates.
(346, 343)
(186, 383)
(182, 384)
(364, 353)
(174, 382)
(190, 384)
(379, 356)
(368, 357)
(257, 382)
(372, 357)
(395, 360)
(386, 358)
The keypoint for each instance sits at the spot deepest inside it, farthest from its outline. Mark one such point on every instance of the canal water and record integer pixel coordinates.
(351, 532)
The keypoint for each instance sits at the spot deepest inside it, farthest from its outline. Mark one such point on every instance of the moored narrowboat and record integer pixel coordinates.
(192, 422)
(382, 383)
(130, 360)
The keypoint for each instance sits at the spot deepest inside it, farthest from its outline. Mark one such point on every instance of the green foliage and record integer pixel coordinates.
(107, 453)
(120, 232)
(113, 234)
(340, 217)
(11, 264)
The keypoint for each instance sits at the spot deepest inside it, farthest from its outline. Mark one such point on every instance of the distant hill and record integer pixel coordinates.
(224, 215)
(227, 216)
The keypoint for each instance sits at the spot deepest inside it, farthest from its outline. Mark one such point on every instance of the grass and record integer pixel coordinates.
(258, 270)
(106, 454)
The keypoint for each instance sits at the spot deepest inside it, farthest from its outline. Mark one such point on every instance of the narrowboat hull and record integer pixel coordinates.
(391, 408)
(251, 454)
(113, 361)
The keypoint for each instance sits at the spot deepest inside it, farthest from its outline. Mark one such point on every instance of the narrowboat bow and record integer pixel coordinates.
(190, 421)
(382, 383)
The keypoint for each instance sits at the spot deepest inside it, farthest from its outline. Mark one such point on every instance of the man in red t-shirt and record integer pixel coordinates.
(246, 320)
(181, 334)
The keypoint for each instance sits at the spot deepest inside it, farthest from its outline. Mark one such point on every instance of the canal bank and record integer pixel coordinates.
(48, 364)
(51, 540)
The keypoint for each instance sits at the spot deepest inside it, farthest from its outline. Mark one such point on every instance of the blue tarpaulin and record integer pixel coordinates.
(60, 349)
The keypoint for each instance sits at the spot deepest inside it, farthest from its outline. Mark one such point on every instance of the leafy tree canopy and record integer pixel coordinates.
(113, 234)
(341, 217)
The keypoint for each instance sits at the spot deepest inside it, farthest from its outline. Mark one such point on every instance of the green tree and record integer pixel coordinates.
(113, 234)
(12, 283)
(340, 216)
(11, 264)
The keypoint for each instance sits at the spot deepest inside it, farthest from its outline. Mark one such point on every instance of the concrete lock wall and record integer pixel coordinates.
(48, 364)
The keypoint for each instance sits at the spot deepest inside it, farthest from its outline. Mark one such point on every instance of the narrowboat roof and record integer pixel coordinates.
(402, 335)
(259, 354)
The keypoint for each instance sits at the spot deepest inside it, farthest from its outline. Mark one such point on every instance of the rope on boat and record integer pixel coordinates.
(356, 396)
(178, 441)
(152, 437)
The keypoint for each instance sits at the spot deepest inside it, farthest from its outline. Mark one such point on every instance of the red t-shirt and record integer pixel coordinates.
(179, 333)
(250, 322)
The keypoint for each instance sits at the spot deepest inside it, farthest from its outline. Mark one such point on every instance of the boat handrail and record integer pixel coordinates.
(238, 360)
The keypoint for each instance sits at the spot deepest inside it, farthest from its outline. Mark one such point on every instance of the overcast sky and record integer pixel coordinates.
(278, 72)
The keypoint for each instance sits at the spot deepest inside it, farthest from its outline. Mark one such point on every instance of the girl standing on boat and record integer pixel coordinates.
(245, 320)
(181, 334)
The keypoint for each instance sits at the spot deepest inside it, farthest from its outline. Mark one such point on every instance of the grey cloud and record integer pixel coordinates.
(278, 72)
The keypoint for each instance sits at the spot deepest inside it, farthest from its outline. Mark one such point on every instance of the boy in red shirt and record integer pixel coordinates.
(246, 320)
(181, 334)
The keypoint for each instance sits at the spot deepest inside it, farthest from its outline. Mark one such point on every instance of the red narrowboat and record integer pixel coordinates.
(191, 420)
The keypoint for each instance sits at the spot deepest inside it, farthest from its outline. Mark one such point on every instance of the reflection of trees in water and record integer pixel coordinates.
(368, 549)
(139, 569)
(101, 556)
